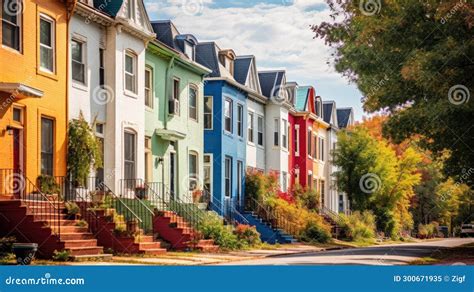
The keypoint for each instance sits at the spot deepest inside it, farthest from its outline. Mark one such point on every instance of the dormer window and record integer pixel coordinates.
(226, 58)
(189, 50)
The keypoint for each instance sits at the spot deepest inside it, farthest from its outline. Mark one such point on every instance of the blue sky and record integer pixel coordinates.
(275, 31)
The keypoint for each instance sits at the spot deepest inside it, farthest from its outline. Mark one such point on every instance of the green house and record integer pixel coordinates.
(174, 113)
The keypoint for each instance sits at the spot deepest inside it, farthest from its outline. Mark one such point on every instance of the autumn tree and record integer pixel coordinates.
(413, 60)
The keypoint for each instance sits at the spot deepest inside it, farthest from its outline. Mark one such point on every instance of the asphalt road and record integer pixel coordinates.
(395, 254)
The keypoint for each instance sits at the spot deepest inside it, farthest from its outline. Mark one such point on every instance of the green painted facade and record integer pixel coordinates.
(174, 135)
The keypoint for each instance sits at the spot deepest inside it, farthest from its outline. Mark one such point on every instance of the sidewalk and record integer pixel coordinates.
(193, 259)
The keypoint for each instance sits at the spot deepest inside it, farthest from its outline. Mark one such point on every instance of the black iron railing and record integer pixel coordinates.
(43, 207)
(271, 216)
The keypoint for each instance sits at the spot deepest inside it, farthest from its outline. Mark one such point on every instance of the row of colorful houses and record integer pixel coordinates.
(168, 109)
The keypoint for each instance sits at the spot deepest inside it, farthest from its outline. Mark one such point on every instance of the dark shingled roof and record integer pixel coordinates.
(343, 116)
(242, 68)
(269, 81)
(206, 55)
(166, 32)
(327, 111)
(111, 7)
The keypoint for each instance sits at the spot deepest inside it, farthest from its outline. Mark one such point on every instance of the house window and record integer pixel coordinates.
(193, 103)
(18, 115)
(193, 170)
(208, 107)
(189, 50)
(47, 146)
(260, 131)
(228, 115)
(11, 24)
(284, 181)
(276, 132)
(310, 138)
(315, 150)
(240, 167)
(250, 127)
(321, 149)
(101, 68)
(240, 120)
(149, 86)
(297, 140)
(228, 177)
(284, 136)
(47, 43)
(129, 155)
(310, 180)
(131, 9)
(78, 61)
(130, 72)
(174, 107)
(322, 191)
(208, 175)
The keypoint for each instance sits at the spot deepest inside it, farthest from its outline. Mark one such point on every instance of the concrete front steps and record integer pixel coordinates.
(181, 236)
(268, 234)
(30, 221)
(126, 244)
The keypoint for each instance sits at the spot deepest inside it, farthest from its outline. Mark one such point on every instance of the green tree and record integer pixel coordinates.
(83, 150)
(414, 60)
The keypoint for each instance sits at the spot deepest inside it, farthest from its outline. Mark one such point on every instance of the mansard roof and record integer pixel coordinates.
(344, 116)
(271, 81)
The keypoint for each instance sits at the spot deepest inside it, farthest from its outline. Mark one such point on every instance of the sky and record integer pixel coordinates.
(276, 32)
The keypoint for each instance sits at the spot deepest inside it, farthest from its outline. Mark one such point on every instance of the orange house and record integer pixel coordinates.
(33, 86)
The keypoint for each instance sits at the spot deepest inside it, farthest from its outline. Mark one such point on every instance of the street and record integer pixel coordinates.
(394, 254)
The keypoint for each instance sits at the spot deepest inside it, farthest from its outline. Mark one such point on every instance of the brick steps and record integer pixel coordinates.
(181, 236)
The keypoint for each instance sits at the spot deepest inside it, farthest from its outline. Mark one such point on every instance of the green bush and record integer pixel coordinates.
(314, 232)
(212, 227)
(6, 245)
(48, 185)
(359, 226)
(61, 256)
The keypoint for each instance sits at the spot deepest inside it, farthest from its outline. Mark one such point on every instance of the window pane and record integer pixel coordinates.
(45, 33)
(76, 51)
(10, 14)
(78, 71)
(47, 147)
(10, 35)
(208, 112)
(129, 64)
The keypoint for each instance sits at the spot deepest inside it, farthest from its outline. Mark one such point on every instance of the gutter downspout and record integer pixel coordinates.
(167, 91)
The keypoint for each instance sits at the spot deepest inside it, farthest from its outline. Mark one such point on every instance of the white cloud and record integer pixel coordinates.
(279, 36)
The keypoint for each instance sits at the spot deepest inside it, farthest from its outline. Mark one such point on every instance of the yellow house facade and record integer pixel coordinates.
(33, 86)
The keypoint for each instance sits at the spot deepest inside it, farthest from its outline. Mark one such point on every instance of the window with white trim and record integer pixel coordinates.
(297, 140)
(276, 132)
(47, 44)
(228, 115)
(11, 24)
(208, 107)
(250, 127)
(260, 130)
(193, 103)
(193, 170)
(130, 72)
(78, 61)
(149, 86)
(284, 136)
(240, 120)
(228, 176)
(321, 149)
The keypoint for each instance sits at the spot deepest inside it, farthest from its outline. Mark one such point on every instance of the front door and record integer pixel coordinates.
(17, 161)
(172, 174)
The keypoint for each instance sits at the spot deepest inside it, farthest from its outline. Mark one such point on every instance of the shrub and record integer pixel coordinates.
(81, 223)
(6, 245)
(314, 232)
(306, 197)
(247, 233)
(61, 256)
(359, 226)
(428, 230)
(72, 208)
(48, 185)
(260, 186)
(213, 228)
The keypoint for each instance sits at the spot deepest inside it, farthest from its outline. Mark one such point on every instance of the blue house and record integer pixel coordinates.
(225, 130)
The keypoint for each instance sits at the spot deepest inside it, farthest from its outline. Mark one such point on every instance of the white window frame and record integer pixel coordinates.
(309, 138)
(260, 131)
(210, 115)
(250, 127)
(230, 117)
(240, 120)
(132, 74)
(228, 176)
(284, 134)
(276, 132)
(83, 62)
(44, 17)
(297, 140)
(19, 24)
(193, 87)
(211, 170)
(149, 89)
(193, 177)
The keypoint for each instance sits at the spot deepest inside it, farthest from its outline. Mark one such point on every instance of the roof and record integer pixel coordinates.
(207, 55)
(271, 81)
(242, 68)
(111, 7)
(328, 107)
(166, 32)
(343, 117)
(302, 94)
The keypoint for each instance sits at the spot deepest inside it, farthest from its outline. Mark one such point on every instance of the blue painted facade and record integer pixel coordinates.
(222, 144)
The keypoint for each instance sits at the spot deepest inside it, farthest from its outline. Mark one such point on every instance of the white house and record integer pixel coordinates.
(107, 73)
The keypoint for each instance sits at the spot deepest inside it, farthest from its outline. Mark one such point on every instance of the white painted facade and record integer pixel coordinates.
(117, 109)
